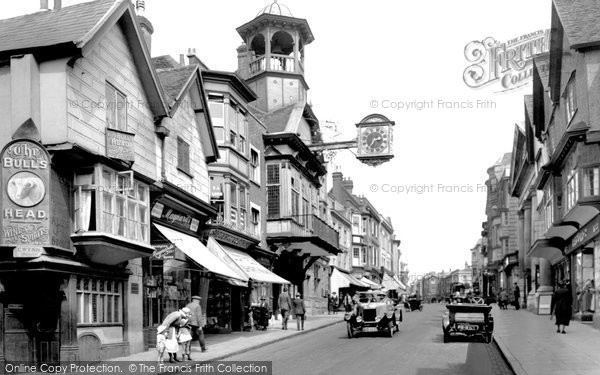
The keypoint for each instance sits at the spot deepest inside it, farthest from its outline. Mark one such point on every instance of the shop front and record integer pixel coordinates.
(182, 266)
(579, 265)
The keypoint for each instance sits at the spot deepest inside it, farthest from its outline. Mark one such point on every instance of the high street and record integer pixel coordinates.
(416, 349)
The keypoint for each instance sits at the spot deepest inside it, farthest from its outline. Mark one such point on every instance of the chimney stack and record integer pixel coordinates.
(181, 59)
(348, 185)
(44, 5)
(243, 61)
(57, 4)
(145, 24)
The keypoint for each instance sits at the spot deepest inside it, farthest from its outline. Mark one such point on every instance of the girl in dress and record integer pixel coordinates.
(185, 338)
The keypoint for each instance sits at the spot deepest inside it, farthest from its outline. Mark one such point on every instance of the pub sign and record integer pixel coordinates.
(25, 194)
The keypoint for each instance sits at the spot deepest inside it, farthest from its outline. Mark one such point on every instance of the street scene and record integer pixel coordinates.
(299, 187)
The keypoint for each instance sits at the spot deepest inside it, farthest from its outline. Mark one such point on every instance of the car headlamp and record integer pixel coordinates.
(359, 319)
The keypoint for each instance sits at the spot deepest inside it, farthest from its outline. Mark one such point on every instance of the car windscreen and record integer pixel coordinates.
(474, 317)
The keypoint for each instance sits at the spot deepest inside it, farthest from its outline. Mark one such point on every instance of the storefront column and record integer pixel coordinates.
(518, 273)
(524, 261)
(596, 283)
(69, 349)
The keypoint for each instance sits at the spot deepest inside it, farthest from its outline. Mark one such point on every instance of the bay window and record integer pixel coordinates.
(571, 189)
(548, 206)
(591, 181)
(570, 99)
(233, 202)
(254, 165)
(117, 205)
(273, 191)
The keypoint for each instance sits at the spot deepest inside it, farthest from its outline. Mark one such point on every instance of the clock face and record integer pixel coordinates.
(374, 140)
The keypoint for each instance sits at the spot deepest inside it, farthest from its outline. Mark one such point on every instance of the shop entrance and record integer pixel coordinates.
(31, 317)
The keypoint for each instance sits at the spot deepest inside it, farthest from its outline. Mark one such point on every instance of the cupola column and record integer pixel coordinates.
(268, 49)
(296, 54)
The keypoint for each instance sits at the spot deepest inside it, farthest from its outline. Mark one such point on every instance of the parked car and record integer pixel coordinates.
(468, 319)
(413, 303)
(373, 312)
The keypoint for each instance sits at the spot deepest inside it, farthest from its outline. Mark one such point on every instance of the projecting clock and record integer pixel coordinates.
(374, 140)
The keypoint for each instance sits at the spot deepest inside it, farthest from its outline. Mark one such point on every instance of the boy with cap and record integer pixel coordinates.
(197, 321)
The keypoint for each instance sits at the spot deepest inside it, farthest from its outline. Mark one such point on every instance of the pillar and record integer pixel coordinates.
(524, 261)
(596, 284)
(69, 348)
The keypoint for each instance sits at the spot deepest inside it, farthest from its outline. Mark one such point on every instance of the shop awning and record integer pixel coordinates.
(370, 283)
(389, 283)
(219, 264)
(550, 249)
(401, 285)
(254, 270)
(345, 279)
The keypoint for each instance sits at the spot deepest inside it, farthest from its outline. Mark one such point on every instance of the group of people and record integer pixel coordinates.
(288, 305)
(178, 329)
(503, 298)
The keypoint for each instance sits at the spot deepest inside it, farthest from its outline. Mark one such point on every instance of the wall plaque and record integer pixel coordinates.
(25, 194)
(120, 145)
(27, 251)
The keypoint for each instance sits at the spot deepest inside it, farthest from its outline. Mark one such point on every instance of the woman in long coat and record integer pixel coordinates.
(562, 302)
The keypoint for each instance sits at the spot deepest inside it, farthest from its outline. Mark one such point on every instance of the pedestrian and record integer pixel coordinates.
(517, 295)
(197, 322)
(184, 337)
(299, 311)
(347, 302)
(173, 323)
(561, 306)
(503, 299)
(285, 306)
(161, 339)
(335, 301)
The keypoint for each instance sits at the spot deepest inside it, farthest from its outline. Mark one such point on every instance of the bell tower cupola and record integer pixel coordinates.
(271, 59)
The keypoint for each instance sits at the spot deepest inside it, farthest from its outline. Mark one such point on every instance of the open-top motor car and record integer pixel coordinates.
(373, 312)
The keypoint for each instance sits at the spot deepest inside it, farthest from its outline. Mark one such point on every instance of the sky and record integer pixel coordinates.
(365, 57)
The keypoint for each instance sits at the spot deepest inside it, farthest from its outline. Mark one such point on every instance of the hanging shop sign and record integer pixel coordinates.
(119, 145)
(25, 194)
(584, 235)
(163, 251)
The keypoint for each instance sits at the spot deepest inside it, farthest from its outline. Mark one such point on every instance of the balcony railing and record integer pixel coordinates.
(277, 63)
(219, 221)
(309, 225)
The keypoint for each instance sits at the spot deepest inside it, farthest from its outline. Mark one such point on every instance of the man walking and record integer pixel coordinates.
(197, 321)
(285, 305)
(517, 294)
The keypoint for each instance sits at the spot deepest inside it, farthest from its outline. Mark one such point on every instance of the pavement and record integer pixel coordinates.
(531, 346)
(221, 346)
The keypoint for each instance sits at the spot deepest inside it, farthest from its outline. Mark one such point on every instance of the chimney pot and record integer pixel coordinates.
(181, 59)
(140, 7)
(57, 4)
(44, 5)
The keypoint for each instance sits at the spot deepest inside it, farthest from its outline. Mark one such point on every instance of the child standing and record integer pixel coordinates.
(185, 338)
(161, 340)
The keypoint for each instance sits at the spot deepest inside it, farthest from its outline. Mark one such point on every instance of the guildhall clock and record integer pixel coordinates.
(375, 139)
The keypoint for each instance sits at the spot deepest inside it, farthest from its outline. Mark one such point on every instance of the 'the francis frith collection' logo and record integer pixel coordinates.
(25, 199)
(508, 64)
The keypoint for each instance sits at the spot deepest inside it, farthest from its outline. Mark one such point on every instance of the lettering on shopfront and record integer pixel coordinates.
(25, 194)
(586, 233)
(174, 217)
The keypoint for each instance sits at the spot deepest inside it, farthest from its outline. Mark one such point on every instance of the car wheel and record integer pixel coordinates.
(420, 308)
(488, 338)
(350, 331)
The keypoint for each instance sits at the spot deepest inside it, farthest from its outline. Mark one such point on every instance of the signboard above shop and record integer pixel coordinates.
(175, 217)
(25, 195)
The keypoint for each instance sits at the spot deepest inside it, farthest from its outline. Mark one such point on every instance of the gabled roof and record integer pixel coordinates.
(164, 62)
(175, 80)
(580, 21)
(285, 119)
(74, 31)
(53, 27)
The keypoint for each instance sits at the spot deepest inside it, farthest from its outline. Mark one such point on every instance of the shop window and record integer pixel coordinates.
(118, 205)
(99, 301)
(116, 108)
(183, 156)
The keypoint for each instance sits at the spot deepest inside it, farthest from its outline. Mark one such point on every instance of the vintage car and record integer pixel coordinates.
(373, 312)
(468, 318)
(413, 303)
